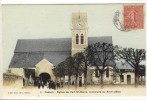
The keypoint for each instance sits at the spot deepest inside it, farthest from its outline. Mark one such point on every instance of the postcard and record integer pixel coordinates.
(73, 50)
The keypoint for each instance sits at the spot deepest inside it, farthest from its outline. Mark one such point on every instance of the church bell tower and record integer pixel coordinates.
(79, 32)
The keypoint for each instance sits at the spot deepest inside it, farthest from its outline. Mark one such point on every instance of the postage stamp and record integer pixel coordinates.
(133, 17)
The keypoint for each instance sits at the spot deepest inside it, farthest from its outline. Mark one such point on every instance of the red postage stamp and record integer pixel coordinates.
(133, 17)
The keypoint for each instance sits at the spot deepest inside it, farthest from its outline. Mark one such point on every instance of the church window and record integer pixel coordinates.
(96, 73)
(77, 39)
(82, 39)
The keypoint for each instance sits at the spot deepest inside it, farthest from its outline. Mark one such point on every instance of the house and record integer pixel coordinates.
(124, 73)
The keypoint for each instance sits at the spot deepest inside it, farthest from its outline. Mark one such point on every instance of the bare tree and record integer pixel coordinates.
(78, 61)
(87, 58)
(69, 68)
(60, 70)
(132, 57)
(101, 55)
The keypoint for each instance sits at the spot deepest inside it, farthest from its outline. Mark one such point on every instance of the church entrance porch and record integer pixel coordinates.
(44, 77)
(44, 70)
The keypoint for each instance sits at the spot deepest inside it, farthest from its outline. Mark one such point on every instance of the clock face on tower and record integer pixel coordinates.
(79, 20)
(79, 25)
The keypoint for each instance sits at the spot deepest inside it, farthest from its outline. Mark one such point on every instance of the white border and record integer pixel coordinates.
(70, 2)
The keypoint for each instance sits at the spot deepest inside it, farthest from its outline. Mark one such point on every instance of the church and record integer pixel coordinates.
(41, 56)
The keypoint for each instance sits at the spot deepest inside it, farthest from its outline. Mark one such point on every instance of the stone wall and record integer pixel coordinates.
(125, 81)
(12, 80)
(17, 71)
(92, 79)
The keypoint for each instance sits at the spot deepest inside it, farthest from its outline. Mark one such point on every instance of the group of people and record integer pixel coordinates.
(40, 84)
(50, 84)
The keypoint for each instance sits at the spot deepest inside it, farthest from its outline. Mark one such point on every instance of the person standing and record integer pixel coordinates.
(58, 85)
(62, 83)
(49, 84)
(42, 84)
(39, 83)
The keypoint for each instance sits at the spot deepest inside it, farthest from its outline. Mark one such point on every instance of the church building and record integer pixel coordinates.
(41, 56)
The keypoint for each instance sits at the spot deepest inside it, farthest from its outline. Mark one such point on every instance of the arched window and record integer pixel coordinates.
(77, 39)
(82, 39)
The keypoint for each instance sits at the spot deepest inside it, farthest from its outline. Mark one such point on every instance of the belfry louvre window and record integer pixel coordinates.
(82, 39)
(77, 39)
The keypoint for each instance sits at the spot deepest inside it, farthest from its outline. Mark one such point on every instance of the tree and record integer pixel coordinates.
(78, 63)
(60, 70)
(87, 57)
(132, 57)
(69, 68)
(102, 56)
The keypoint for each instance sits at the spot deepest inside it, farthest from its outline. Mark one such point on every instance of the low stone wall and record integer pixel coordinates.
(12, 80)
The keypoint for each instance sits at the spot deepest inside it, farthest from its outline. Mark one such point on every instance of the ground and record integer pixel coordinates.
(91, 91)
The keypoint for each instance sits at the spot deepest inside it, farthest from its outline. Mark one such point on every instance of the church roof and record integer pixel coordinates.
(43, 45)
(29, 52)
(29, 60)
(53, 44)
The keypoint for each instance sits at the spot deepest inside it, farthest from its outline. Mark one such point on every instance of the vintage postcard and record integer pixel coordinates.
(73, 50)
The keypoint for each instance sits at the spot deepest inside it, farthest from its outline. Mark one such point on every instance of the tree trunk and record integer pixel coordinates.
(136, 77)
(102, 84)
(60, 81)
(63, 80)
(76, 81)
(85, 75)
(85, 81)
(56, 79)
(141, 79)
(69, 81)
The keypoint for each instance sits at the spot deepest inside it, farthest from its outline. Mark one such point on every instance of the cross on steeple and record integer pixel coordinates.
(79, 14)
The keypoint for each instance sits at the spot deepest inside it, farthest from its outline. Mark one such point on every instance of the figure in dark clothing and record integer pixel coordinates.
(62, 83)
(49, 84)
(42, 84)
(80, 83)
(54, 86)
(58, 85)
(73, 83)
(39, 83)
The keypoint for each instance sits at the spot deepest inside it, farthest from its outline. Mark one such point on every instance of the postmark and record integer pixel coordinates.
(133, 17)
(118, 21)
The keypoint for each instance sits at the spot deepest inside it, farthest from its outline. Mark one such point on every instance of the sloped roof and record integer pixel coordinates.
(123, 65)
(43, 45)
(29, 60)
(29, 52)
(53, 44)
(25, 59)
(103, 39)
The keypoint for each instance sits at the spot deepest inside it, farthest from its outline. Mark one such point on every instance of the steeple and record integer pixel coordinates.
(79, 32)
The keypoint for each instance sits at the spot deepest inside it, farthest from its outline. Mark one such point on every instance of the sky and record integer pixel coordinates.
(54, 21)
